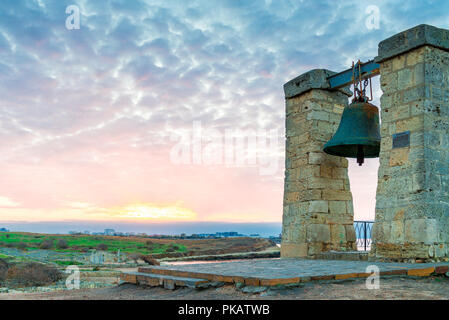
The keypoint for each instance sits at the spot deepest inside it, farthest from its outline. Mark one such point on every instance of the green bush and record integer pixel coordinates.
(102, 246)
(68, 263)
(46, 244)
(3, 270)
(62, 244)
(32, 274)
(21, 245)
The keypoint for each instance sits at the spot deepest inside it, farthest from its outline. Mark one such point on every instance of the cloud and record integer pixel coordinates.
(85, 114)
(7, 203)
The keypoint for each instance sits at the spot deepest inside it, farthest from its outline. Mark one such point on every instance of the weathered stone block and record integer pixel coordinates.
(337, 207)
(405, 78)
(322, 158)
(338, 233)
(296, 232)
(440, 250)
(381, 232)
(410, 39)
(291, 197)
(399, 157)
(389, 82)
(314, 79)
(318, 233)
(350, 208)
(399, 63)
(412, 124)
(350, 233)
(401, 112)
(397, 231)
(322, 183)
(293, 250)
(318, 115)
(326, 171)
(336, 195)
(421, 230)
(415, 57)
(339, 173)
(307, 172)
(319, 206)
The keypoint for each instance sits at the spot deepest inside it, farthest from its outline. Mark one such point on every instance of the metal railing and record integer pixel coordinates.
(363, 233)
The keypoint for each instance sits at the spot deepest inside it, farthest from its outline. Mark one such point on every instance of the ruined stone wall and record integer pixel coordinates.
(412, 201)
(318, 209)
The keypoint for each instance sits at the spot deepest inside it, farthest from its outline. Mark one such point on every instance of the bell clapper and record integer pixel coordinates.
(360, 155)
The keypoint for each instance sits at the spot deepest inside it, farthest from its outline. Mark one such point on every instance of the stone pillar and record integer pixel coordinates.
(412, 201)
(318, 210)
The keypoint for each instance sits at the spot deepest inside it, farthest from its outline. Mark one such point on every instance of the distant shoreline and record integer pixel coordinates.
(264, 229)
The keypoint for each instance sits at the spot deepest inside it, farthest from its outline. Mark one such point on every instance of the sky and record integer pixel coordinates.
(126, 118)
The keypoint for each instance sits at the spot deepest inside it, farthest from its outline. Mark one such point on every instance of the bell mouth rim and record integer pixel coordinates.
(329, 150)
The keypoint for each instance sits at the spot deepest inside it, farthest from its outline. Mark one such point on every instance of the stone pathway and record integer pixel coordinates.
(269, 272)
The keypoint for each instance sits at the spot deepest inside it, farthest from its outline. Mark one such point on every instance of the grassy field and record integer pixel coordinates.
(81, 243)
(130, 245)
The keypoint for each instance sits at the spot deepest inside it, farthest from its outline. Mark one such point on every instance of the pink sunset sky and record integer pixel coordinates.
(89, 118)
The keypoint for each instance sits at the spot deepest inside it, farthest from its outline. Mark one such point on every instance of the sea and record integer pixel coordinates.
(64, 227)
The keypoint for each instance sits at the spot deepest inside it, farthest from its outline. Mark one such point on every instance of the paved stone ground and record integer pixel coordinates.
(289, 268)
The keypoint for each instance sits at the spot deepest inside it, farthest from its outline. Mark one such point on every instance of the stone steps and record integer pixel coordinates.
(166, 281)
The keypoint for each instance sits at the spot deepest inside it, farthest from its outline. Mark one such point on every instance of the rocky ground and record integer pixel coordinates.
(88, 280)
(394, 288)
(42, 255)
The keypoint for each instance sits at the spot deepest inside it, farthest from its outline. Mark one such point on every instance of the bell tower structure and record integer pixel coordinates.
(412, 199)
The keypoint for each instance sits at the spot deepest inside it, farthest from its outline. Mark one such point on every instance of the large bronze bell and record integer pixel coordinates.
(358, 135)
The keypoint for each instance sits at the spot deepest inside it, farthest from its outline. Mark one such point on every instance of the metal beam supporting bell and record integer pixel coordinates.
(358, 135)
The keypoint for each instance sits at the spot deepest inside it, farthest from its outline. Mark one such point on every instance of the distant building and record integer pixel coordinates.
(255, 235)
(109, 232)
(228, 234)
(204, 235)
(86, 232)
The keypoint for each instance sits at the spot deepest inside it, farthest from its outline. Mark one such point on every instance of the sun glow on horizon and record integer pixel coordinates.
(131, 211)
(148, 211)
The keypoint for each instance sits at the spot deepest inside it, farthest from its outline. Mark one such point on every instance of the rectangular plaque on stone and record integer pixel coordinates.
(401, 139)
